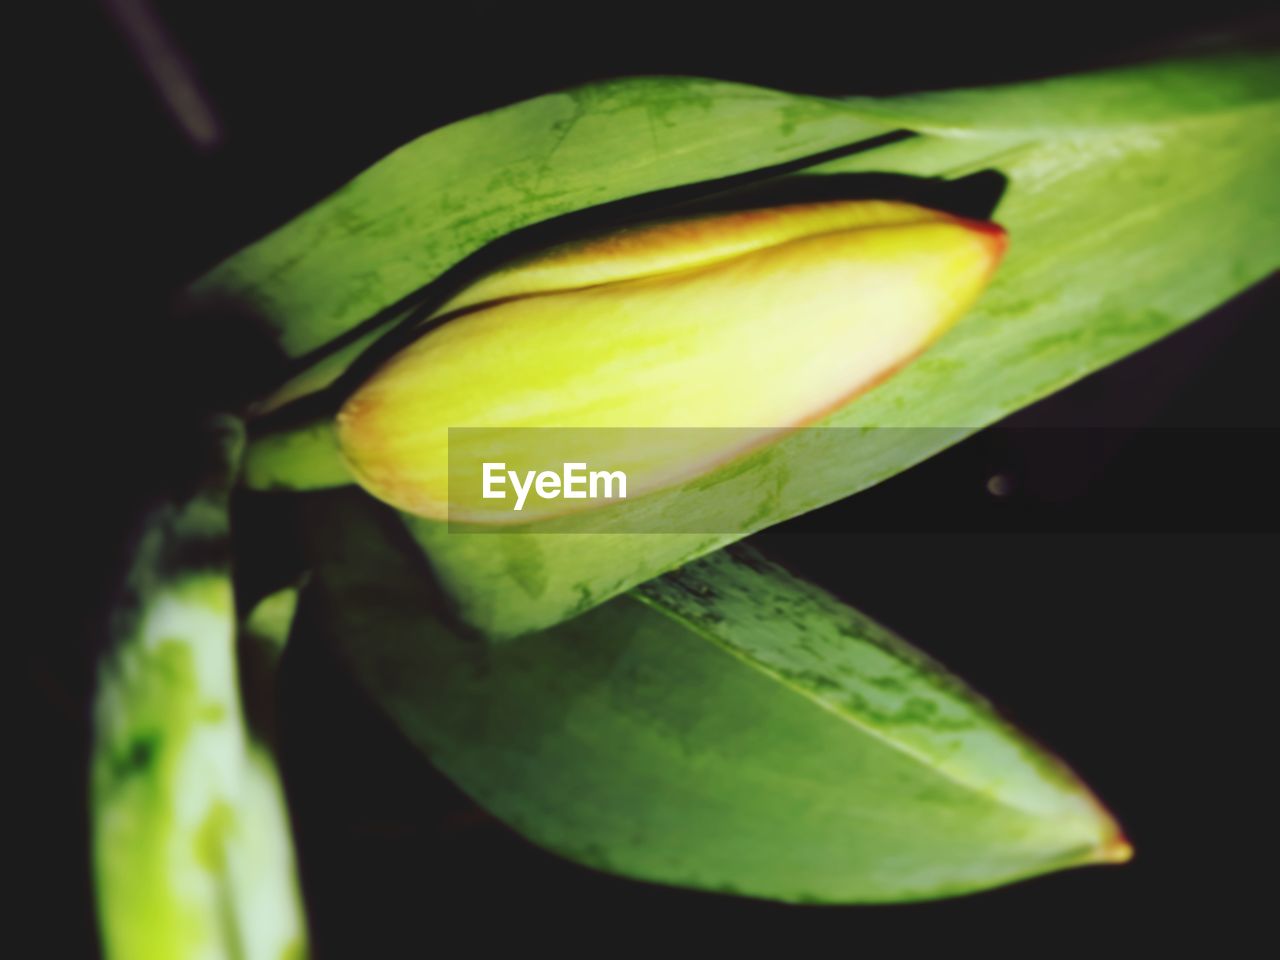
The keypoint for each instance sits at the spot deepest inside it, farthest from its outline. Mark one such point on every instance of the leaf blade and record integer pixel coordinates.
(1154, 94)
(191, 843)
(1116, 241)
(403, 222)
(632, 743)
(1138, 199)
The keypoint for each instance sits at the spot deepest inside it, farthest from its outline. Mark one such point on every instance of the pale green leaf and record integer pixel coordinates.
(1141, 95)
(192, 853)
(728, 728)
(419, 211)
(1116, 239)
(1136, 200)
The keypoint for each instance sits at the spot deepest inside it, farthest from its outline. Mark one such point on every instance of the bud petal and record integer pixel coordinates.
(764, 319)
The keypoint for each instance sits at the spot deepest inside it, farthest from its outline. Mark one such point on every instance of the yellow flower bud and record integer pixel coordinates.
(764, 319)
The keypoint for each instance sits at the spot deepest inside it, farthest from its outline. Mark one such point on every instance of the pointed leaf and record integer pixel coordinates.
(727, 728)
(1116, 238)
(1136, 200)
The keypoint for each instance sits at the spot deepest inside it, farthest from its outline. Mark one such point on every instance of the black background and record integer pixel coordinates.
(1116, 603)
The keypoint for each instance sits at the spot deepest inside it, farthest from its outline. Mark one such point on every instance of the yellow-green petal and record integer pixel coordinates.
(765, 320)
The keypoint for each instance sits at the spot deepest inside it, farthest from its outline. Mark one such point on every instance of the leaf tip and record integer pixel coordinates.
(1115, 850)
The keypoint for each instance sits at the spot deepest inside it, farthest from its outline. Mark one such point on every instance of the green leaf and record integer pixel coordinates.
(191, 843)
(1118, 236)
(1137, 199)
(419, 211)
(728, 728)
(1147, 94)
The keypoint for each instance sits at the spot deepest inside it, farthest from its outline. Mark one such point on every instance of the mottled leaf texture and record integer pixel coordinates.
(192, 852)
(1136, 199)
(419, 211)
(727, 727)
